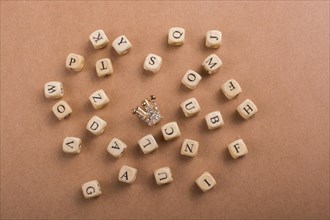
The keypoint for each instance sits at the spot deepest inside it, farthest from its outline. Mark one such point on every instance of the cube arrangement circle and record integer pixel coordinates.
(148, 144)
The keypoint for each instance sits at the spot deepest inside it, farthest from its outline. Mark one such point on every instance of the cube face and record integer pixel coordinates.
(91, 189)
(104, 67)
(148, 144)
(191, 79)
(189, 148)
(163, 175)
(71, 145)
(53, 90)
(171, 131)
(213, 39)
(98, 39)
(205, 181)
(121, 45)
(190, 107)
(74, 62)
(116, 147)
(237, 148)
(176, 36)
(127, 174)
(214, 120)
(212, 64)
(247, 109)
(231, 89)
(62, 110)
(96, 125)
(99, 99)
(152, 63)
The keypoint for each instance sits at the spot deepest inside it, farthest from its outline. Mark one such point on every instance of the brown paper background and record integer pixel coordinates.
(277, 51)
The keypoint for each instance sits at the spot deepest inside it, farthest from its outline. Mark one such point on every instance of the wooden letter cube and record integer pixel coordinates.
(91, 189)
(116, 147)
(53, 90)
(231, 89)
(191, 79)
(213, 39)
(121, 45)
(237, 148)
(205, 181)
(148, 144)
(99, 99)
(176, 36)
(74, 62)
(98, 39)
(212, 64)
(71, 145)
(96, 125)
(189, 148)
(214, 120)
(163, 175)
(104, 67)
(190, 107)
(152, 63)
(62, 109)
(127, 174)
(247, 109)
(170, 131)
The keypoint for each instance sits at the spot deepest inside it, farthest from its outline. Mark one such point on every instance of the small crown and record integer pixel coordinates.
(148, 112)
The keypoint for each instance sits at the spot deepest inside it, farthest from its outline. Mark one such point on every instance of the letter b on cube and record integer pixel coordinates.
(214, 120)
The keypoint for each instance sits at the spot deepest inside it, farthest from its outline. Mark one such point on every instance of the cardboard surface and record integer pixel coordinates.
(277, 51)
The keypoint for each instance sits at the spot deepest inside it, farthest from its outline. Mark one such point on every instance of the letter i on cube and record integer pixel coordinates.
(206, 181)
